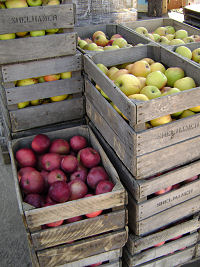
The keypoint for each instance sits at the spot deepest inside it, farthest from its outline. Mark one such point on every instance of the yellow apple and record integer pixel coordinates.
(156, 78)
(128, 84)
(103, 68)
(111, 71)
(185, 83)
(95, 34)
(53, 2)
(187, 113)
(142, 81)
(140, 68)
(58, 98)
(141, 97)
(148, 60)
(21, 34)
(7, 36)
(121, 42)
(116, 108)
(66, 75)
(35, 102)
(160, 121)
(82, 43)
(98, 88)
(52, 30)
(26, 82)
(129, 66)
(104, 95)
(195, 109)
(157, 66)
(23, 104)
(16, 3)
(118, 73)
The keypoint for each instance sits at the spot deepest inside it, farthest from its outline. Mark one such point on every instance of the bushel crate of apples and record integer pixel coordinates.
(69, 195)
(165, 31)
(152, 94)
(100, 38)
(42, 92)
(36, 29)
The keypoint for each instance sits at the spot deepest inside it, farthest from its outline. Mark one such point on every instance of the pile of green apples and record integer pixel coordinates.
(100, 42)
(27, 3)
(188, 53)
(146, 79)
(47, 78)
(167, 35)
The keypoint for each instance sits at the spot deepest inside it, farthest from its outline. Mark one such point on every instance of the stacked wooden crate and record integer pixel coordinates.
(192, 15)
(169, 154)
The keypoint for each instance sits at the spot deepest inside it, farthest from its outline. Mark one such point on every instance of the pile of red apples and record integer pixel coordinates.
(58, 171)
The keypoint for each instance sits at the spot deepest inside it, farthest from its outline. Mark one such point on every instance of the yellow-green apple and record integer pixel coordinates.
(116, 108)
(180, 34)
(23, 104)
(171, 91)
(41, 79)
(156, 37)
(111, 71)
(185, 83)
(37, 33)
(115, 36)
(164, 40)
(140, 68)
(162, 31)
(7, 36)
(66, 75)
(173, 74)
(129, 66)
(53, 2)
(103, 68)
(34, 2)
(26, 82)
(196, 55)
(21, 34)
(88, 40)
(156, 78)
(188, 40)
(58, 98)
(35, 102)
(184, 51)
(16, 3)
(170, 36)
(149, 36)
(196, 37)
(91, 46)
(170, 29)
(139, 44)
(187, 113)
(121, 42)
(165, 89)
(148, 60)
(140, 97)
(128, 84)
(118, 73)
(52, 30)
(111, 47)
(161, 120)
(177, 114)
(141, 30)
(176, 42)
(95, 34)
(101, 40)
(195, 109)
(104, 95)
(82, 43)
(157, 66)
(2, 6)
(52, 77)
(151, 91)
(98, 88)
(142, 81)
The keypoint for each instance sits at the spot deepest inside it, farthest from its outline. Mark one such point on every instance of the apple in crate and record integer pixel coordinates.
(94, 213)
(32, 182)
(104, 187)
(53, 224)
(59, 191)
(24, 170)
(96, 175)
(80, 174)
(69, 164)
(78, 142)
(191, 179)
(51, 161)
(96, 264)
(56, 175)
(26, 157)
(74, 219)
(78, 189)
(36, 200)
(40, 143)
(60, 146)
(159, 244)
(89, 157)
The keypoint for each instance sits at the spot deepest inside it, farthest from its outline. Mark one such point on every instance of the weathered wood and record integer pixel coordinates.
(36, 18)
(198, 250)
(82, 249)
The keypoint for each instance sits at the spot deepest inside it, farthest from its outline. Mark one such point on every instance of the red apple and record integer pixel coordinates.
(53, 224)
(39, 162)
(32, 182)
(159, 244)
(177, 237)
(60, 146)
(81, 174)
(52, 77)
(51, 161)
(35, 200)
(59, 191)
(69, 164)
(24, 170)
(40, 143)
(26, 157)
(48, 200)
(45, 177)
(78, 189)
(96, 175)
(89, 157)
(115, 36)
(96, 264)
(78, 142)
(110, 42)
(176, 186)
(104, 187)
(74, 219)
(163, 191)
(56, 175)
(94, 213)
(191, 179)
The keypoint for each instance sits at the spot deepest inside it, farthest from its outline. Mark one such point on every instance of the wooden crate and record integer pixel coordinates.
(51, 113)
(38, 18)
(192, 15)
(152, 24)
(109, 30)
(115, 220)
(140, 148)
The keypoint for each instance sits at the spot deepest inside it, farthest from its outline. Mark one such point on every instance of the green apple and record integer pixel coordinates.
(185, 83)
(164, 40)
(82, 43)
(104, 95)
(186, 113)
(103, 68)
(52, 30)
(121, 42)
(151, 91)
(2, 5)
(26, 82)
(140, 68)
(66, 75)
(173, 74)
(36, 102)
(23, 104)
(156, 78)
(139, 44)
(156, 37)
(196, 55)
(177, 114)
(184, 51)
(170, 29)
(149, 36)
(157, 66)
(141, 30)
(128, 84)
(41, 80)
(111, 47)
(91, 46)
(16, 3)
(34, 2)
(176, 42)
(180, 34)
(188, 40)
(37, 33)
(162, 31)
(7, 36)
(111, 71)
(171, 91)
(170, 36)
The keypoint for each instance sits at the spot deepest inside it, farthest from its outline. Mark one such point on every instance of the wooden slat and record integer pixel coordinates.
(20, 71)
(82, 229)
(82, 249)
(36, 18)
